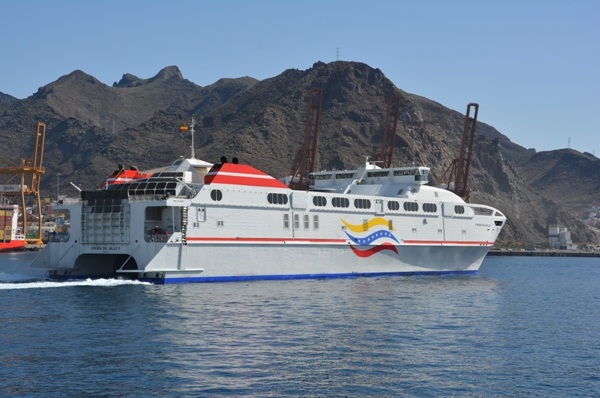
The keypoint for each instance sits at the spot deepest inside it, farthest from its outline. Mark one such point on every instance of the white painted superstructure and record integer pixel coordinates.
(199, 222)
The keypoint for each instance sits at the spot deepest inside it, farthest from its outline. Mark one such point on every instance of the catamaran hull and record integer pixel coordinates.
(176, 263)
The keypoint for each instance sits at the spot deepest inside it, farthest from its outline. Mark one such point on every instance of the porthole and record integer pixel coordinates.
(277, 199)
(340, 202)
(216, 194)
(429, 207)
(320, 201)
(362, 203)
(410, 206)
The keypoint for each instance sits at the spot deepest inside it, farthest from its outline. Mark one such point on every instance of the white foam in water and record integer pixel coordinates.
(47, 284)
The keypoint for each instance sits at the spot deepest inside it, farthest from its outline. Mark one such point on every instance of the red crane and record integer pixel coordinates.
(304, 161)
(458, 171)
(389, 133)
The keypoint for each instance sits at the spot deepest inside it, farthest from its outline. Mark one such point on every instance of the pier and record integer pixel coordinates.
(543, 253)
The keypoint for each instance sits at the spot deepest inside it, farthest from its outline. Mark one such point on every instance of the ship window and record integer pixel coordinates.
(404, 172)
(277, 199)
(201, 214)
(286, 221)
(216, 194)
(429, 207)
(306, 223)
(340, 202)
(362, 203)
(344, 176)
(411, 206)
(320, 201)
(381, 173)
(458, 209)
(322, 176)
(393, 205)
(296, 221)
(315, 222)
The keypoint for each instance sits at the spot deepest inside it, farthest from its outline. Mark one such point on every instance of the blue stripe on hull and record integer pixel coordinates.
(213, 279)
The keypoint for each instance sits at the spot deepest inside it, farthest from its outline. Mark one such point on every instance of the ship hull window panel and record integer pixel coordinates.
(216, 195)
(320, 201)
(340, 202)
(429, 207)
(201, 214)
(362, 203)
(286, 221)
(393, 205)
(277, 198)
(410, 206)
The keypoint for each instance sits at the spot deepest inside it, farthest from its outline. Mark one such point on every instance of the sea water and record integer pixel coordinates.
(524, 326)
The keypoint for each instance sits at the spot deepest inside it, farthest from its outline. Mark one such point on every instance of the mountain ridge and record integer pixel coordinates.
(92, 126)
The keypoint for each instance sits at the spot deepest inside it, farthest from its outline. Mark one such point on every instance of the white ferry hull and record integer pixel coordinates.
(241, 224)
(175, 263)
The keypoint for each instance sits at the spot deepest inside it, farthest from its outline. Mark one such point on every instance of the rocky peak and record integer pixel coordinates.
(129, 80)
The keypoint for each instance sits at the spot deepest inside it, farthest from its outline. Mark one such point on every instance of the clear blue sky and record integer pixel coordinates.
(532, 65)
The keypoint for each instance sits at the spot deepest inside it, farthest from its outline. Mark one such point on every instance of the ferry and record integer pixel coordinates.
(11, 238)
(195, 221)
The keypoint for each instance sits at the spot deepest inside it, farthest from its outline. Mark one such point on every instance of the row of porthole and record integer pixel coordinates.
(272, 198)
(321, 201)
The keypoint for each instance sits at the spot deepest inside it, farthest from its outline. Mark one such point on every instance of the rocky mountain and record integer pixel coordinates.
(92, 127)
(6, 98)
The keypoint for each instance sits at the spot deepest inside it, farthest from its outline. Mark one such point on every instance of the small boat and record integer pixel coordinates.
(11, 238)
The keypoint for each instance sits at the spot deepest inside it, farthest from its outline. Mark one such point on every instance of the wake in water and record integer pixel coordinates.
(48, 284)
(16, 273)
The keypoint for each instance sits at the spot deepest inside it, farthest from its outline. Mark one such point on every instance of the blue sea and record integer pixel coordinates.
(522, 327)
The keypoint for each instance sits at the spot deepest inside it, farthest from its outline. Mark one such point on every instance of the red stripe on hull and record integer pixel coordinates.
(261, 240)
(448, 242)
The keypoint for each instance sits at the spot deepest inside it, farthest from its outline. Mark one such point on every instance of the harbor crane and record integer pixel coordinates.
(389, 133)
(304, 161)
(457, 174)
(30, 172)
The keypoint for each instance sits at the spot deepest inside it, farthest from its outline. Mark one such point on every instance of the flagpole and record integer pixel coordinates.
(184, 129)
(192, 131)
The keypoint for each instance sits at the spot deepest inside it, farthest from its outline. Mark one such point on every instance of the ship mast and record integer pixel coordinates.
(190, 127)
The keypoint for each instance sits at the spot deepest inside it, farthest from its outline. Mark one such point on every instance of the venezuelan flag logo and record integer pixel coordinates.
(368, 234)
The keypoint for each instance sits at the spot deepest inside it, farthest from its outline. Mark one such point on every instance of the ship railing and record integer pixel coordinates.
(155, 197)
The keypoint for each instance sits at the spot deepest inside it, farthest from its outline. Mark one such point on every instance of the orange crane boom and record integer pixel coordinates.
(31, 171)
